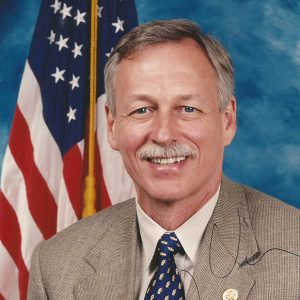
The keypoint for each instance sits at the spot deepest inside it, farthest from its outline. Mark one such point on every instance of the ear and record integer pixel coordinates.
(110, 122)
(229, 121)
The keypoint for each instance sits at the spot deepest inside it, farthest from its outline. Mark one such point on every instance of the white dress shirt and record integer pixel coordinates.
(189, 235)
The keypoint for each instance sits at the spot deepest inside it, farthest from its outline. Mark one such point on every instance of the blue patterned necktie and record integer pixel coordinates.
(166, 283)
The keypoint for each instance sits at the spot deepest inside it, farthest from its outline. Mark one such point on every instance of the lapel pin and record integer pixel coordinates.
(230, 294)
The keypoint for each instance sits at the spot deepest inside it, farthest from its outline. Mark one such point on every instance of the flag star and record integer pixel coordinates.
(58, 75)
(119, 25)
(51, 38)
(79, 17)
(66, 11)
(77, 50)
(62, 43)
(109, 53)
(56, 6)
(100, 11)
(71, 114)
(74, 82)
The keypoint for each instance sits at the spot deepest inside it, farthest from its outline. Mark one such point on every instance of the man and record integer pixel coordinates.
(190, 233)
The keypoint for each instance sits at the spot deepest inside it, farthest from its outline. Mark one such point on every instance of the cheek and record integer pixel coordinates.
(208, 142)
(130, 139)
(205, 133)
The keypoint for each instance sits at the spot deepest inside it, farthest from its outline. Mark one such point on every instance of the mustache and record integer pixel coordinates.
(157, 151)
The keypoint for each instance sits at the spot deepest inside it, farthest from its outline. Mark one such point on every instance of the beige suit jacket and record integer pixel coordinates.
(251, 244)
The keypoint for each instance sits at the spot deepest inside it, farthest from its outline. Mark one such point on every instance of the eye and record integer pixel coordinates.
(189, 109)
(140, 111)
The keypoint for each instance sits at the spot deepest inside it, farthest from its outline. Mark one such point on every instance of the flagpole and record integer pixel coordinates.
(90, 190)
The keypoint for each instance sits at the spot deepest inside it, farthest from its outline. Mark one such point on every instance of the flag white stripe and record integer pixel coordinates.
(48, 159)
(30, 233)
(81, 147)
(9, 276)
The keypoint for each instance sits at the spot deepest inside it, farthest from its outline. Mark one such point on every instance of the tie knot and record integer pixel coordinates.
(168, 245)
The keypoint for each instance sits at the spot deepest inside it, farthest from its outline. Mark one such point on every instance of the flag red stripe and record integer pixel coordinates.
(23, 280)
(72, 171)
(41, 203)
(11, 239)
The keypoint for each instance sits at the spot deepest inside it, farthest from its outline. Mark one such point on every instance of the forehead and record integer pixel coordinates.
(164, 62)
(186, 46)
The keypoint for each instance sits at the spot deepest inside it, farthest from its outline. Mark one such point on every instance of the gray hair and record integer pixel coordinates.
(176, 30)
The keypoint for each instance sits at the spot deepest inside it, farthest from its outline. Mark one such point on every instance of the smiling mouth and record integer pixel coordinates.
(166, 161)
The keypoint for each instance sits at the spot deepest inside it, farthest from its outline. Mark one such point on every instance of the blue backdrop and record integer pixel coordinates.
(263, 38)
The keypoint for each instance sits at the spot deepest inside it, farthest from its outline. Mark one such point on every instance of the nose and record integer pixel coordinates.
(164, 131)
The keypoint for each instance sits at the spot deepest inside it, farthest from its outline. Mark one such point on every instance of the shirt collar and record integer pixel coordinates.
(189, 233)
(150, 233)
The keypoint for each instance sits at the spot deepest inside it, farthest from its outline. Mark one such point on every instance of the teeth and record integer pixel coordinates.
(167, 161)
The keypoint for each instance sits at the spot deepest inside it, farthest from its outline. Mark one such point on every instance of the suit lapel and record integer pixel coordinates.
(112, 261)
(228, 243)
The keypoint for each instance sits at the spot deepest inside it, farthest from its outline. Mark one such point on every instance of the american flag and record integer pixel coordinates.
(43, 168)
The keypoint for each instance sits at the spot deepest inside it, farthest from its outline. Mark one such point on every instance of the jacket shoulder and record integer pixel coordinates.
(86, 230)
(261, 204)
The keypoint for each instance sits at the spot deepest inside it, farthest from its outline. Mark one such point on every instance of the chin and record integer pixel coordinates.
(165, 190)
(167, 195)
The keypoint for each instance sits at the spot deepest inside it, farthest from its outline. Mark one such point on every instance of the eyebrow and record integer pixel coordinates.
(141, 97)
(145, 97)
(189, 96)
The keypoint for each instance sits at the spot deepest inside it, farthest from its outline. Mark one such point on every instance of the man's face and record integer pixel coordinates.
(167, 95)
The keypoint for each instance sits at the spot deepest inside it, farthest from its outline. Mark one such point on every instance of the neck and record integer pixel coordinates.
(171, 214)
